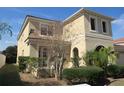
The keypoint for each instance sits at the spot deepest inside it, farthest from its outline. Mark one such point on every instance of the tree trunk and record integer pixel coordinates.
(56, 69)
(61, 67)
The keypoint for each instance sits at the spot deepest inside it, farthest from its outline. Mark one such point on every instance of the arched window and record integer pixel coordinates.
(99, 47)
(75, 52)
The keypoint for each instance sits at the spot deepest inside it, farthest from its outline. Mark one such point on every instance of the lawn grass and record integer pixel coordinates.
(9, 75)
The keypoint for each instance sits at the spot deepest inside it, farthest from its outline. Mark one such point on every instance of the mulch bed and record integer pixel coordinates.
(29, 80)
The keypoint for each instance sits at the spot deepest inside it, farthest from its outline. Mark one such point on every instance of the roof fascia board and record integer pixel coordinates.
(35, 18)
(88, 11)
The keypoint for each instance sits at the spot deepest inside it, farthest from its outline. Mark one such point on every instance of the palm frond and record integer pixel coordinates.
(5, 29)
(101, 58)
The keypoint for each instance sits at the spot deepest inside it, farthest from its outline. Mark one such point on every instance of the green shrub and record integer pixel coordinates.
(115, 71)
(91, 74)
(30, 61)
(22, 62)
(121, 67)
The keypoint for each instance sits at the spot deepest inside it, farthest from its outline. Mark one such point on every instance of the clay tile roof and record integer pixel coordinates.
(121, 40)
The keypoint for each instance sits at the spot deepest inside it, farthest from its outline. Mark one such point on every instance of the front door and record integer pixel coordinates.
(43, 54)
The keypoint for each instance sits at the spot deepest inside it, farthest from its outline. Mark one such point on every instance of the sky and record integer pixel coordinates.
(15, 17)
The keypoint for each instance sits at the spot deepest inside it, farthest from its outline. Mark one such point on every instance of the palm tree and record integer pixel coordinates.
(88, 58)
(101, 58)
(112, 56)
(5, 28)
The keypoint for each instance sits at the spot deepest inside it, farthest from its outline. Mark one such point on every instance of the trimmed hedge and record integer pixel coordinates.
(121, 67)
(115, 71)
(92, 75)
(32, 61)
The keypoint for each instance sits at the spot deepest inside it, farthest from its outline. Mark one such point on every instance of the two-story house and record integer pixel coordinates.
(85, 30)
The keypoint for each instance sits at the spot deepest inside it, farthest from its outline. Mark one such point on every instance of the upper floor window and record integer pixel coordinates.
(50, 31)
(44, 29)
(104, 28)
(47, 30)
(31, 31)
(93, 23)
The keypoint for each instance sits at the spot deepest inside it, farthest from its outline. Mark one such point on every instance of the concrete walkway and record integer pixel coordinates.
(116, 82)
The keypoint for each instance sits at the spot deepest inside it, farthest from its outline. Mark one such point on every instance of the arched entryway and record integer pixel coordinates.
(99, 47)
(75, 52)
(75, 57)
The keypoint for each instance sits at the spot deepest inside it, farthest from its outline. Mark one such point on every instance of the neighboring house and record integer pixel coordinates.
(85, 30)
(2, 60)
(119, 47)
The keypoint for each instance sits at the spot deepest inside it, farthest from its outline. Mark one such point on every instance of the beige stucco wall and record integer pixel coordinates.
(94, 39)
(36, 25)
(120, 60)
(75, 30)
(120, 50)
(2, 60)
(99, 20)
(81, 36)
(76, 33)
(22, 45)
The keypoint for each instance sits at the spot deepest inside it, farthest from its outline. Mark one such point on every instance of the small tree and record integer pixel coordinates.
(32, 63)
(59, 55)
(75, 61)
(75, 58)
(88, 58)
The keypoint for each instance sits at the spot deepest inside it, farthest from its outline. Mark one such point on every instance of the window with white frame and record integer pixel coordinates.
(50, 30)
(93, 25)
(43, 53)
(104, 26)
(46, 30)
